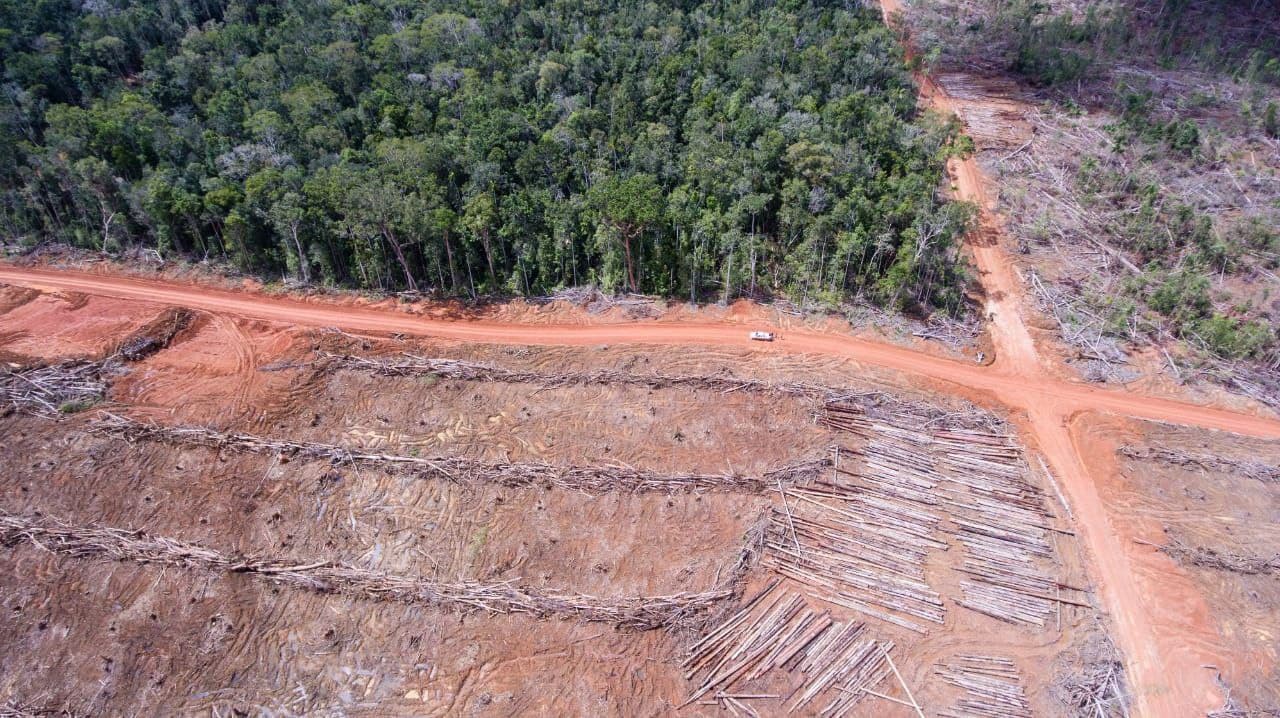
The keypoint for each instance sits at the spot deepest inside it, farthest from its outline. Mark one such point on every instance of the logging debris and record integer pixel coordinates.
(54, 389)
(874, 403)
(594, 479)
(156, 335)
(14, 708)
(1256, 470)
(1100, 357)
(71, 386)
(1091, 683)
(1220, 559)
(327, 576)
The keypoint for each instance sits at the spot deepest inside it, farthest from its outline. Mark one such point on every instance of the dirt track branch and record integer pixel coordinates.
(324, 576)
(589, 479)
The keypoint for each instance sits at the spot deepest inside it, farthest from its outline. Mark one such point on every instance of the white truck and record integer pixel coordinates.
(761, 336)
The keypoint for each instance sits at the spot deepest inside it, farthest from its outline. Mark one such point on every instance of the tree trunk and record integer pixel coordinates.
(488, 256)
(303, 269)
(390, 236)
(626, 250)
(453, 271)
(107, 219)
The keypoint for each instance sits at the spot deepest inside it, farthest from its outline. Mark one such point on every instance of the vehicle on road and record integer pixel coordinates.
(762, 336)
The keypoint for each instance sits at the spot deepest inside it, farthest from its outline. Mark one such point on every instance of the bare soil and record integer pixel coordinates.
(1219, 510)
(109, 637)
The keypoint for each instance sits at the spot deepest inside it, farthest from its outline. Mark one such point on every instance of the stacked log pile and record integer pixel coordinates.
(965, 483)
(1001, 521)
(838, 664)
(992, 686)
(858, 547)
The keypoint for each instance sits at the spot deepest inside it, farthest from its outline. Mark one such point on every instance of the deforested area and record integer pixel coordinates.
(1136, 146)
(261, 519)
(1217, 521)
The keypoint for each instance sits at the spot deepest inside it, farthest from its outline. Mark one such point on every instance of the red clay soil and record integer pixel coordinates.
(1166, 678)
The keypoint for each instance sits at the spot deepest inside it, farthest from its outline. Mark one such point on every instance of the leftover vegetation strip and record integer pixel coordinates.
(328, 576)
(590, 479)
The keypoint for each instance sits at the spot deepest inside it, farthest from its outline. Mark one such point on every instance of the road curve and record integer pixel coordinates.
(1016, 390)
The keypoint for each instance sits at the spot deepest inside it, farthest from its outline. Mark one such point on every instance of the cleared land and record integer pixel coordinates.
(273, 573)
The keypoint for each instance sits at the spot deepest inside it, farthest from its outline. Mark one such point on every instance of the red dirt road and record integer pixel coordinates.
(1020, 389)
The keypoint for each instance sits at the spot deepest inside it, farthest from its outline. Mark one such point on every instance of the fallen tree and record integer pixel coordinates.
(462, 470)
(156, 335)
(326, 576)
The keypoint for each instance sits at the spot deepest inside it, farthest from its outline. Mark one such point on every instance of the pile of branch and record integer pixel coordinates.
(53, 389)
(411, 365)
(325, 576)
(1259, 383)
(1233, 710)
(461, 470)
(753, 547)
(1101, 357)
(636, 306)
(156, 335)
(992, 686)
(777, 631)
(955, 333)
(1221, 560)
(13, 708)
(1096, 689)
(1250, 469)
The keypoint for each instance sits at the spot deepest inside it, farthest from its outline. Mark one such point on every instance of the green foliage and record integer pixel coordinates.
(1183, 296)
(1233, 338)
(75, 406)
(464, 148)
(1271, 120)
(1046, 48)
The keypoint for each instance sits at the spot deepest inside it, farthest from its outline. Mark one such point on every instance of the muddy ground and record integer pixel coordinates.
(102, 637)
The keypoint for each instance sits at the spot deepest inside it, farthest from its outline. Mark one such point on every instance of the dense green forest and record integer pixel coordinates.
(706, 150)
